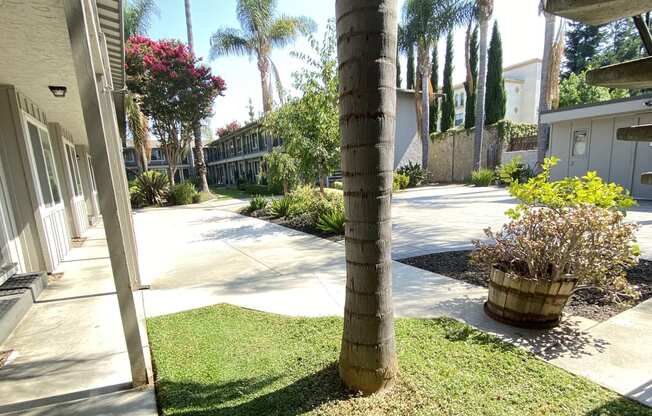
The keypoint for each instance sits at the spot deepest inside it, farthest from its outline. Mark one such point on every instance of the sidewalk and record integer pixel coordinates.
(70, 353)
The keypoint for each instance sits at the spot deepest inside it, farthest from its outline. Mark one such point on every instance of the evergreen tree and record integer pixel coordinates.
(582, 46)
(622, 42)
(496, 99)
(469, 116)
(398, 69)
(410, 68)
(434, 80)
(448, 106)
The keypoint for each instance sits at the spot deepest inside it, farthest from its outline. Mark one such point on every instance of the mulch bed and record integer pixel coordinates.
(287, 224)
(586, 303)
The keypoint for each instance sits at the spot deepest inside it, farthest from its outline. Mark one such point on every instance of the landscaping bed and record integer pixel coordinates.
(590, 304)
(225, 360)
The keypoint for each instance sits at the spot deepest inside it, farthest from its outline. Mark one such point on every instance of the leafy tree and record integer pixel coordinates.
(470, 86)
(574, 90)
(434, 80)
(496, 100)
(309, 124)
(622, 43)
(448, 106)
(176, 91)
(583, 43)
(228, 128)
(282, 170)
(368, 361)
(260, 31)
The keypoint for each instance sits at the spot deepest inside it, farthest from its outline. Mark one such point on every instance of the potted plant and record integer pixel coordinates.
(564, 236)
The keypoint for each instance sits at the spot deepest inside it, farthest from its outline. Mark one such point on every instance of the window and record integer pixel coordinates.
(44, 161)
(73, 166)
(459, 119)
(157, 155)
(580, 142)
(461, 100)
(129, 155)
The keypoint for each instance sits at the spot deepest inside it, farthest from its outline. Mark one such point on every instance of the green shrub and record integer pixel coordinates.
(135, 196)
(338, 185)
(482, 177)
(256, 189)
(332, 221)
(197, 198)
(303, 200)
(514, 171)
(182, 194)
(590, 189)
(280, 207)
(400, 181)
(258, 202)
(415, 173)
(150, 188)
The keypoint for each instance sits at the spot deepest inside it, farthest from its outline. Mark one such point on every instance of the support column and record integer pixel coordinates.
(110, 180)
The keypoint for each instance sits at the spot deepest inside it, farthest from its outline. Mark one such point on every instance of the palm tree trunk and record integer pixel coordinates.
(544, 99)
(424, 74)
(200, 165)
(263, 68)
(366, 37)
(480, 92)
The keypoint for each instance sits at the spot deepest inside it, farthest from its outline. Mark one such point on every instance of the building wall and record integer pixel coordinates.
(407, 145)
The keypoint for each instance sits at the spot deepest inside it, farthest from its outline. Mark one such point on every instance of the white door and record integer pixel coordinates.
(80, 215)
(578, 160)
(51, 207)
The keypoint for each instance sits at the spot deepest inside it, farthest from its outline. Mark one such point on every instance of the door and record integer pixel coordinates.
(78, 205)
(580, 140)
(642, 163)
(51, 208)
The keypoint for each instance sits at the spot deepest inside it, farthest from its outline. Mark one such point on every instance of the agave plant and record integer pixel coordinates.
(332, 221)
(152, 187)
(280, 207)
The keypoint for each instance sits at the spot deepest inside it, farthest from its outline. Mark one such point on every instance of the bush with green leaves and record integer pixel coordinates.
(338, 185)
(182, 194)
(400, 181)
(257, 203)
(590, 189)
(150, 188)
(514, 171)
(280, 208)
(332, 221)
(482, 177)
(415, 172)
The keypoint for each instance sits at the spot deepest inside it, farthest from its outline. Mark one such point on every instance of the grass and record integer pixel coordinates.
(224, 360)
(221, 192)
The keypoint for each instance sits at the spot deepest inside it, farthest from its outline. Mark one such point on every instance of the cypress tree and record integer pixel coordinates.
(410, 68)
(448, 106)
(496, 99)
(434, 80)
(398, 69)
(469, 110)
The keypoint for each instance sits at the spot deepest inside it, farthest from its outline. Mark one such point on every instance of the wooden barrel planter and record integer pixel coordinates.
(527, 303)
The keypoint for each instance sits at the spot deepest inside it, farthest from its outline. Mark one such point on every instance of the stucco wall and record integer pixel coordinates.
(529, 157)
(407, 145)
(450, 157)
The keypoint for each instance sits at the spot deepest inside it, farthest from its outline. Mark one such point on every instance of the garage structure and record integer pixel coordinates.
(584, 138)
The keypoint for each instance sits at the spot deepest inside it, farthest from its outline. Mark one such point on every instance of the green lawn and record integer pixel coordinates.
(225, 360)
(221, 192)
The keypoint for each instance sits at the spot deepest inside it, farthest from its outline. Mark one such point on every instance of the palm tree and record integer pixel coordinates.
(485, 10)
(199, 146)
(137, 15)
(366, 38)
(544, 98)
(426, 21)
(261, 30)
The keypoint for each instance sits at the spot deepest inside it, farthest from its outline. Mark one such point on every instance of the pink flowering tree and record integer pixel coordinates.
(175, 89)
(228, 128)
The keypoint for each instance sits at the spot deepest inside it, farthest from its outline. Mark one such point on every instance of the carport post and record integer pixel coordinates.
(84, 43)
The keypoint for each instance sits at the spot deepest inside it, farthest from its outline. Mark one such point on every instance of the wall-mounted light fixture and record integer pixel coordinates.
(59, 91)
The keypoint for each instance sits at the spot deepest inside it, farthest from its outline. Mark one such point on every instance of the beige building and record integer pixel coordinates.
(61, 165)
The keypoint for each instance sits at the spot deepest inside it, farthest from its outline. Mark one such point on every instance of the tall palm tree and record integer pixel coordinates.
(485, 10)
(200, 164)
(426, 21)
(544, 98)
(261, 30)
(137, 18)
(366, 45)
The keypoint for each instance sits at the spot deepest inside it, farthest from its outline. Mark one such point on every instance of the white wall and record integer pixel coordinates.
(529, 157)
(407, 146)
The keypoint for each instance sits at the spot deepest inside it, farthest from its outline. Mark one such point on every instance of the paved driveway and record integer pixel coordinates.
(206, 254)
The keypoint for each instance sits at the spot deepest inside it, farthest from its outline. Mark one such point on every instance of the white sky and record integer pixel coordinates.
(520, 25)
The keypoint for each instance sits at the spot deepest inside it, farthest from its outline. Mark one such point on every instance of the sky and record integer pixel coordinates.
(521, 27)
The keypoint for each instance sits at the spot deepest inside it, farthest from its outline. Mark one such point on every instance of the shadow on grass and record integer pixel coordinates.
(303, 395)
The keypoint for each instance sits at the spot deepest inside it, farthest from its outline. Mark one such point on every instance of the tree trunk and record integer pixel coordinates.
(171, 172)
(263, 68)
(480, 93)
(366, 38)
(424, 75)
(544, 99)
(142, 155)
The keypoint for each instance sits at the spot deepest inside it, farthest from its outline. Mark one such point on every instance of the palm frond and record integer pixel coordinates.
(255, 16)
(137, 16)
(285, 29)
(229, 41)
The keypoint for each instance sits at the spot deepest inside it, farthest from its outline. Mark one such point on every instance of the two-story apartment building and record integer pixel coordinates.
(522, 85)
(158, 161)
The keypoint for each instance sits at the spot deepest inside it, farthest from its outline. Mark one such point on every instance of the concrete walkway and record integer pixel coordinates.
(218, 256)
(70, 353)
